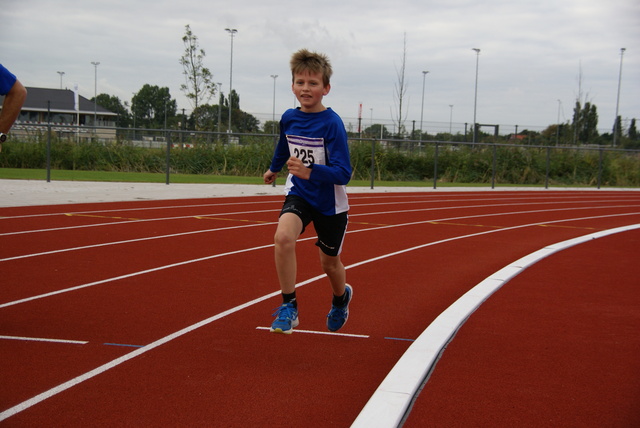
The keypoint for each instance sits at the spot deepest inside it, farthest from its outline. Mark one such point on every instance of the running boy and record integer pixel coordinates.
(313, 144)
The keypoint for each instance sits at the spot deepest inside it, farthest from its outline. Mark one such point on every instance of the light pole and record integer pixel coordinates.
(615, 123)
(133, 113)
(558, 126)
(475, 102)
(371, 109)
(232, 32)
(61, 73)
(450, 120)
(219, 106)
(424, 75)
(95, 96)
(273, 118)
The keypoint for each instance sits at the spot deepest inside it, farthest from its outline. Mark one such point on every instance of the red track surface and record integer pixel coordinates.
(168, 298)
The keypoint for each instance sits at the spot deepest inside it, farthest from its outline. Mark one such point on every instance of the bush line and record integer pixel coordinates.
(456, 164)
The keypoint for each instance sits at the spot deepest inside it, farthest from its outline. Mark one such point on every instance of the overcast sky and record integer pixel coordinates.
(533, 53)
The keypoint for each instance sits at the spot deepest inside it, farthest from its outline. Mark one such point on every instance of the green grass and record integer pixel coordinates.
(127, 177)
(144, 177)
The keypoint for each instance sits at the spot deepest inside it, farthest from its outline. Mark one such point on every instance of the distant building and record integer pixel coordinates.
(67, 115)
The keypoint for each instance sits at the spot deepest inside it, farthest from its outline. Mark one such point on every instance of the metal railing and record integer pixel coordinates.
(170, 139)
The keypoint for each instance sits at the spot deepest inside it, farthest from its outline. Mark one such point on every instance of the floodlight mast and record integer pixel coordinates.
(475, 102)
(95, 97)
(424, 75)
(232, 32)
(615, 122)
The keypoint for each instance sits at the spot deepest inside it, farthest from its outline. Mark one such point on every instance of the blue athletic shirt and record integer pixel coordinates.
(320, 141)
(7, 80)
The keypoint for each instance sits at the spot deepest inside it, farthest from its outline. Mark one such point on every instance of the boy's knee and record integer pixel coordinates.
(283, 240)
(331, 264)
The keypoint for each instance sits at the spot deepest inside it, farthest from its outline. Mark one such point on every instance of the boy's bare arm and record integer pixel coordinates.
(269, 176)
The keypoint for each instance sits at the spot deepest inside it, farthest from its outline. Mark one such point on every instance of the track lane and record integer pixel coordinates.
(557, 346)
(428, 228)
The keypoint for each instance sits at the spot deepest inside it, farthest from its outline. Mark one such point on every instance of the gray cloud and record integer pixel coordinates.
(532, 52)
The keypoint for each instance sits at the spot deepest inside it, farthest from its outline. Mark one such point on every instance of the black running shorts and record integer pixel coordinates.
(330, 229)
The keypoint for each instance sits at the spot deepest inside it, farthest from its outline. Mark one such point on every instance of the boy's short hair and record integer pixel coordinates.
(305, 60)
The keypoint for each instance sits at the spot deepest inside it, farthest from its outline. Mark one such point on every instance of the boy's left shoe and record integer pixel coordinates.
(338, 315)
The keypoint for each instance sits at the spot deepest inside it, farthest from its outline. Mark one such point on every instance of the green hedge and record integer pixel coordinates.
(456, 164)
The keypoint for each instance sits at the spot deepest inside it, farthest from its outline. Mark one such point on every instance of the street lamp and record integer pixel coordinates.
(450, 120)
(95, 91)
(273, 119)
(475, 102)
(615, 123)
(232, 32)
(424, 75)
(219, 106)
(371, 120)
(558, 127)
(61, 73)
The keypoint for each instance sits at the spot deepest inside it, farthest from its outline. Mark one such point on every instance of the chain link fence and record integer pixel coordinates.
(374, 160)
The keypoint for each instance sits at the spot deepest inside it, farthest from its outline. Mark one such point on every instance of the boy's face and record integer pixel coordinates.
(309, 89)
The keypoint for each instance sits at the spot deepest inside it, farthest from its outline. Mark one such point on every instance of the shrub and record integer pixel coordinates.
(396, 161)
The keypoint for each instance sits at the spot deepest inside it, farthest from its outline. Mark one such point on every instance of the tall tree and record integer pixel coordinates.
(617, 129)
(401, 89)
(199, 86)
(205, 117)
(632, 141)
(632, 133)
(151, 105)
(113, 103)
(585, 122)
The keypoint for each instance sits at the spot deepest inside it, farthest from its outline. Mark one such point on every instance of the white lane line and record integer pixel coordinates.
(328, 333)
(105, 244)
(129, 241)
(103, 368)
(129, 275)
(426, 198)
(276, 210)
(41, 339)
(390, 403)
(172, 265)
(118, 210)
(117, 223)
(79, 379)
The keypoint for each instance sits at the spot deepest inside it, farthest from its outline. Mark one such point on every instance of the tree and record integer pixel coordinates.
(198, 87)
(377, 131)
(401, 89)
(632, 133)
(113, 103)
(205, 117)
(556, 134)
(240, 121)
(632, 140)
(585, 122)
(235, 99)
(245, 122)
(151, 106)
(617, 129)
(271, 127)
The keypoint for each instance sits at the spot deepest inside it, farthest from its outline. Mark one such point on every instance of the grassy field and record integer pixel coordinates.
(141, 177)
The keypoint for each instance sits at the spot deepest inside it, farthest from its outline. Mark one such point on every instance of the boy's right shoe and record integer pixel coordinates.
(338, 315)
(286, 319)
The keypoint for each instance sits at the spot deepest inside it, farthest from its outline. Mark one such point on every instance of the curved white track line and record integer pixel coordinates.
(88, 375)
(390, 403)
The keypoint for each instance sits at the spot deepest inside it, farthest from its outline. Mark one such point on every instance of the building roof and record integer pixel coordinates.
(62, 101)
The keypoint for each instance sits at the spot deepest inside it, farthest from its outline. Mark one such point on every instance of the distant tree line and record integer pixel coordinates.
(153, 107)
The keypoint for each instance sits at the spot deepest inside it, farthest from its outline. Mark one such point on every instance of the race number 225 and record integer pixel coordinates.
(305, 155)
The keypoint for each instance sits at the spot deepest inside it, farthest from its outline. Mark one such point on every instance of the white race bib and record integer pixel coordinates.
(308, 150)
